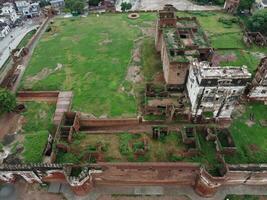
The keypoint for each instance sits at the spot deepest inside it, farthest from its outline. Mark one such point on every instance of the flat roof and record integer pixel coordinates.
(206, 72)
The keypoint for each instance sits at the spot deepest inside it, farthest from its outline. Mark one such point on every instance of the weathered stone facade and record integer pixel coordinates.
(258, 90)
(231, 5)
(215, 90)
(180, 41)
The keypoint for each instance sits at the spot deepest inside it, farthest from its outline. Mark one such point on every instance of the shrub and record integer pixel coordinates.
(124, 143)
(258, 22)
(126, 6)
(7, 101)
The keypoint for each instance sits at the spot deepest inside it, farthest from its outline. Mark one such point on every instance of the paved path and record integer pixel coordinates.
(9, 43)
(158, 5)
(170, 191)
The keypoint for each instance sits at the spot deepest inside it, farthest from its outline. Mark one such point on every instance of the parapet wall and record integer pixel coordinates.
(87, 122)
(129, 174)
(47, 96)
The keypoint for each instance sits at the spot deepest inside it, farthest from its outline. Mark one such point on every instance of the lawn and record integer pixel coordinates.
(38, 116)
(223, 36)
(37, 125)
(243, 57)
(249, 136)
(34, 145)
(89, 56)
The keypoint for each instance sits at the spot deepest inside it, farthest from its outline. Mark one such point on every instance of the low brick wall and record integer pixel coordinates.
(46, 96)
(85, 122)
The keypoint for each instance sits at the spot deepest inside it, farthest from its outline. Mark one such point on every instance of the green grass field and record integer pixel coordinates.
(38, 123)
(250, 138)
(95, 53)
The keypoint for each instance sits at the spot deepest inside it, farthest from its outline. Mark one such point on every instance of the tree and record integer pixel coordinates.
(75, 6)
(44, 3)
(245, 5)
(94, 2)
(126, 6)
(258, 22)
(7, 101)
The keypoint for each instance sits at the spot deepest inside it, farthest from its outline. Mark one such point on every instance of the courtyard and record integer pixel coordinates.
(105, 60)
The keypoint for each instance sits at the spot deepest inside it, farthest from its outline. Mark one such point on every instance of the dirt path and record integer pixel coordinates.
(8, 123)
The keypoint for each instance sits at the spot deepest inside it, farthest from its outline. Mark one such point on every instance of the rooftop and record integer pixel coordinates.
(203, 70)
(183, 41)
(21, 3)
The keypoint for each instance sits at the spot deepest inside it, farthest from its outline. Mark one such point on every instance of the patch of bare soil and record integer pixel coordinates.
(254, 148)
(148, 31)
(137, 54)
(250, 123)
(105, 42)
(45, 72)
(217, 58)
(134, 74)
(34, 192)
(159, 77)
(8, 124)
(259, 55)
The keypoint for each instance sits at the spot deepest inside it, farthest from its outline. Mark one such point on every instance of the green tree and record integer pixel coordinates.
(258, 21)
(245, 5)
(44, 3)
(126, 6)
(75, 6)
(7, 101)
(94, 2)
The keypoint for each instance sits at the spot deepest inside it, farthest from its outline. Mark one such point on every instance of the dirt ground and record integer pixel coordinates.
(8, 124)
(110, 197)
(24, 191)
(178, 4)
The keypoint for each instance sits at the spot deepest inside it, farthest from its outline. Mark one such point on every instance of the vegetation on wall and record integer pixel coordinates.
(7, 101)
(126, 6)
(258, 22)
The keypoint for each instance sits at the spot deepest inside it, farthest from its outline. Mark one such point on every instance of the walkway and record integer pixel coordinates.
(169, 191)
(9, 43)
(63, 105)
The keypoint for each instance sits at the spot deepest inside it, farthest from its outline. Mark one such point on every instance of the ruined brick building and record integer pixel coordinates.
(231, 5)
(214, 91)
(180, 40)
(258, 89)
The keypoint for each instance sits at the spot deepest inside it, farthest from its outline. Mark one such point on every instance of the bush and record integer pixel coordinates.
(228, 22)
(75, 6)
(126, 6)
(7, 101)
(124, 143)
(258, 22)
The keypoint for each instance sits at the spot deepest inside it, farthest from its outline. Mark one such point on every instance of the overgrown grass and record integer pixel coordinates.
(26, 38)
(242, 58)
(228, 40)
(151, 62)
(207, 155)
(34, 145)
(38, 116)
(95, 53)
(250, 140)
